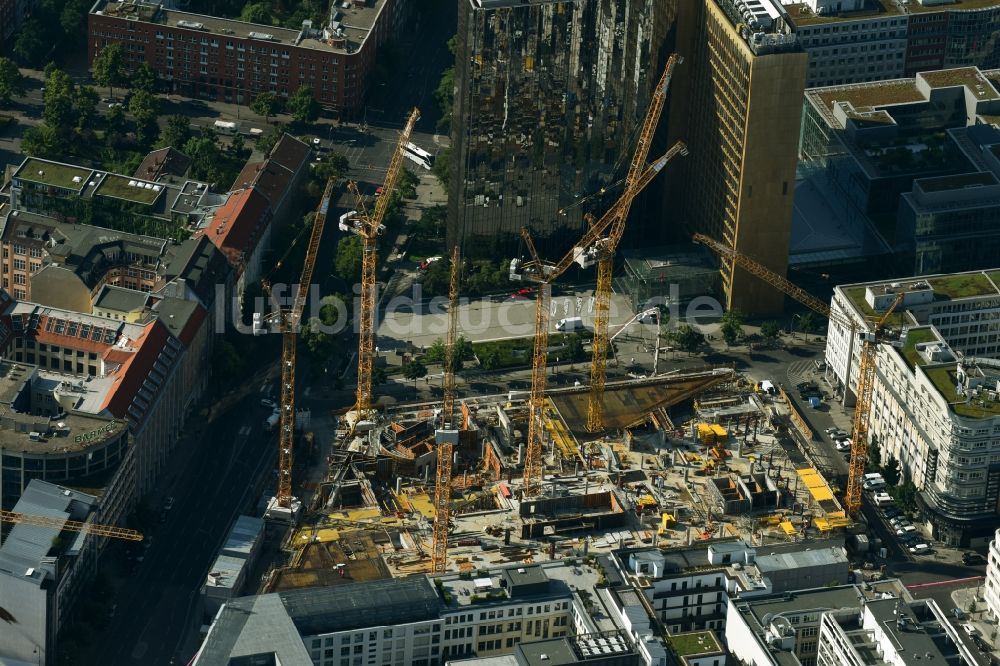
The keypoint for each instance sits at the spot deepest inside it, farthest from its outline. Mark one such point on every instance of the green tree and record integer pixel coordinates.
(686, 338)
(73, 20)
(378, 376)
(408, 182)
(59, 112)
(85, 101)
(414, 370)
(437, 279)
(333, 166)
(11, 81)
(732, 326)
(206, 158)
(227, 361)
(144, 106)
(432, 222)
(237, 147)
(442, 167)
(891, 471)
(109, 67)
(905, 494)
(491, 359)
(303, 106)
(322, 345)
(144, 79)
(115, 122)
(808, 323)
(266, 104)
(31, 44)
(347, 263)
(257, 12)
(874, 455)
(770, 329)
(41, 141)
(445, 97)
(574, 348)
(176, 133)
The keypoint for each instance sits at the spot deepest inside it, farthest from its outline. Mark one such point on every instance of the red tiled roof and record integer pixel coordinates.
(117, 356)
(237, 225)
(193, 324)
(46, 334)
(135, 370)
(247, 175)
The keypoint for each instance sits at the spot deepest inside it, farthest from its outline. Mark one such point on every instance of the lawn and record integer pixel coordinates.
(517, 351)
(857, 297)
(699, 642)
(54, 174)
(995, 276)
(944, 380)
(118, 187)
(963, 285)
(914, 337)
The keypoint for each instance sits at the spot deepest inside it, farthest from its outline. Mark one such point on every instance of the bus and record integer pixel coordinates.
(417, 159)
(420, 152)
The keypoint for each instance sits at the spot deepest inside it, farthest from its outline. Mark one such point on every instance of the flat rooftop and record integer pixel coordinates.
(802, 15)
(944, 378)
(130, 189)
(55, 174)
(695, 643)
(356, 22)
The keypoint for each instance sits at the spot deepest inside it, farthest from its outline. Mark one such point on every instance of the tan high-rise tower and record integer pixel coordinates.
(738, 104)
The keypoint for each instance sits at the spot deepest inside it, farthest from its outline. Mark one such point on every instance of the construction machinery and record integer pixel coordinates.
(450, 362)
(604, 252)
(369, 227)
(109, 531)
(870, 339)
(288, 321)
(543, 274)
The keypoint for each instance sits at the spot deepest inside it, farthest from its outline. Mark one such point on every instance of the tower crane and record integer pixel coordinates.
(109, 531)
(870, 339)
(288, 320)
(543, 273)
(445, 450)
(604, 252)
(369, 227)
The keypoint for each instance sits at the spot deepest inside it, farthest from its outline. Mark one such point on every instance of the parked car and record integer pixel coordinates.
(523, 292)
(425, 264)
(972, 558)
(900, 521)
(909, 529)
(920, 549)
(891, 511)
(969, 628)
(267, 402)
(958, 613)
(843, 445)
(168, 504)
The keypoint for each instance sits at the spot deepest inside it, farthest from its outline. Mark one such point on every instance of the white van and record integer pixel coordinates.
(883, 499)
(225, 127)
(570, 324)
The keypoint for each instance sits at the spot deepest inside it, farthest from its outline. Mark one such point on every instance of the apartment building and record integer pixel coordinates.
(991, 591)
(233, 61)
(833, 626)
(730, 103)
(909, 166)
(413, 621)
(548, 98)
(934, 406)
(43, 570)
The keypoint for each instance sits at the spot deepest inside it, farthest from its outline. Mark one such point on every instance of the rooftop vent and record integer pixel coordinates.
(261, 35)
(191, 24)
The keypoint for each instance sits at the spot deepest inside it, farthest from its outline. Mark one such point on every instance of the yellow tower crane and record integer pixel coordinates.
(369, 228)
(869, 339)
(450, 362)
(543, 273)
(109, 531)
(288, 320)
(604, 252)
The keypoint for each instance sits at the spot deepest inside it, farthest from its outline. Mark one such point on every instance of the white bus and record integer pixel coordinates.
(417, 159)
(420, 152)
(224, 127)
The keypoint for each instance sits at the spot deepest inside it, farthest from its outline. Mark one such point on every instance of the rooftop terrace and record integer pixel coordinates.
(53, 173)
(802, 15)
(694, 643)
(962, 76)
(962, 285)
(944, 380)
(914, 337)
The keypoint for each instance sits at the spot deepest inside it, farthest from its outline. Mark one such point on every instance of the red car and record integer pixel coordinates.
(524, 292)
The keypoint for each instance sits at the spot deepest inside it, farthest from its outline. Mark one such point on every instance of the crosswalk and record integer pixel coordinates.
(800, 371)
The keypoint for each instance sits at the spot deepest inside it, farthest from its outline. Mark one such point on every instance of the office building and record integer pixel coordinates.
(413, 621)
(548, 98)
(228, 574)
(234, 61)
(731, 104)
(832, 626)
(902, 172)
(991, 590)
(43, 571)
(934, 406)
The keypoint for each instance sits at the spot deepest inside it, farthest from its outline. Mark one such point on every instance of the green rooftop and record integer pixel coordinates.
(898, 319)
(118, 187)
(864, 96)
(914, 337)
(962, 285)
(53, 173)
(943, 378)
(962, 76)
(697, 642)
(995, 276)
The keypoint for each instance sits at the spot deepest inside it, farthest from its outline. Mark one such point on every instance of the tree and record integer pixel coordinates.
(144, 106)
(686, 338)
(490, 359)
(73, 20)
(31, 44)
(874, 455)
(408, 182)
(379, 376)
(770, 329)
(303, 106)
(59, 112)
(237, 147)
(205, 157)
(266, 141)
(41, 141)
(432, 222)
(891, 471)
(11, 81)
(347, 263)
(445, 97)
(732, 326)
(109, 67)
(227, 361)
(808, 323)
(116, 127)
(176, 133)
(322, 345)
(266, 104)
(85, 100)
(144, 79)
(414, 370)
(442, 167)
(257, 12)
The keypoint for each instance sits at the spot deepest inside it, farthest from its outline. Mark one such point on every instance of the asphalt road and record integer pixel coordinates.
(159, 606)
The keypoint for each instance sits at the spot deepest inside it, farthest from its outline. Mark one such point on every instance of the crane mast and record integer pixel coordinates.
(542, 273)
(450, 362)
(369, 228)
(866, 367)
(442, 507)
(289, 321)
(109, 531)
(606, 252)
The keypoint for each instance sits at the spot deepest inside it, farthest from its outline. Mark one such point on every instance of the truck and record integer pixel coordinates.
(272, 422)
(569, 324)
(859, 543)
(226, 127)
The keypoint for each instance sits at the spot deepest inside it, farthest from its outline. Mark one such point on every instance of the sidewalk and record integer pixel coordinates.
(980, 618)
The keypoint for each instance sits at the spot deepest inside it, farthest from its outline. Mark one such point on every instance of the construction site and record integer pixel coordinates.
(466, 482)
